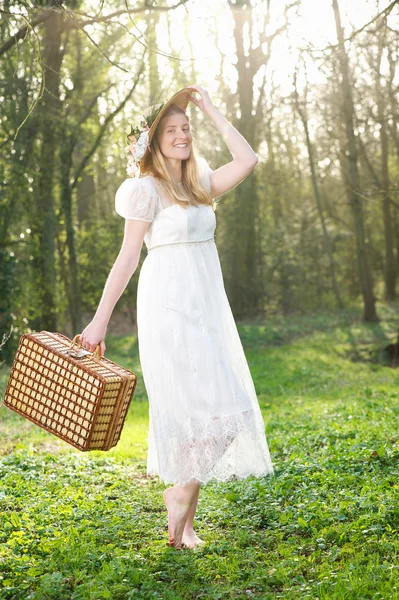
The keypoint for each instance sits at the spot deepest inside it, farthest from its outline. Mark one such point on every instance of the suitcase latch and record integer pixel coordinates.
(78, 353)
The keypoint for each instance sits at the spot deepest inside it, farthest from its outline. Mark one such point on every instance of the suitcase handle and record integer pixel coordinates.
(95, 354)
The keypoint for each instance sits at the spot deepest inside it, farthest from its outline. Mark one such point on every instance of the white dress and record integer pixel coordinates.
(204, 417)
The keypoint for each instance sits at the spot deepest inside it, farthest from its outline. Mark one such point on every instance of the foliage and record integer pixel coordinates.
(272, 244)
(324, 526)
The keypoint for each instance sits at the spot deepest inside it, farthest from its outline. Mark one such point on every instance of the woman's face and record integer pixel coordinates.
(175, 139)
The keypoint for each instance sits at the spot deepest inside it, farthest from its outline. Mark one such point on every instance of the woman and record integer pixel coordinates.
(205, 421)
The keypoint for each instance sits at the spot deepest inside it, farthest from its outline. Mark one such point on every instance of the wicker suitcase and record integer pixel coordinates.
(79, 396)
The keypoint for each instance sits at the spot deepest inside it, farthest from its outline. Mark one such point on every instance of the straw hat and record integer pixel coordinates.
(140, 135)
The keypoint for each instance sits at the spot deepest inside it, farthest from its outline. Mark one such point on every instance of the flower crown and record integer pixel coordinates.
(138, 140)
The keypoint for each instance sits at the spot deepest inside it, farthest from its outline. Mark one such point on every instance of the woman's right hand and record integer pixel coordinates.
(204, 103)
(93, 335)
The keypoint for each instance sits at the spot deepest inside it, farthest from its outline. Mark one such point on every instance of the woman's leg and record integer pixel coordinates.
(190, 539)
(191, 513)
(178, 500)
(181, 501)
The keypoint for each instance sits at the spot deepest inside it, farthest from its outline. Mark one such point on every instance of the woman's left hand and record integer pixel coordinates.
(205, 103)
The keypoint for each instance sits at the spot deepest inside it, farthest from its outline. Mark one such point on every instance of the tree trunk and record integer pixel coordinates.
(73, 293)
(316, 193)
(246, 285)
(44, 224)
(365, 277)
(389, 271)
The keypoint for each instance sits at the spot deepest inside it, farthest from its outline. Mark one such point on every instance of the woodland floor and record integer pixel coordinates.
(86, 526)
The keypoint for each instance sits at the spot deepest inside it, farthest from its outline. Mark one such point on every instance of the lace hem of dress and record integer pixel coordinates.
(213, 478)
(219, 448)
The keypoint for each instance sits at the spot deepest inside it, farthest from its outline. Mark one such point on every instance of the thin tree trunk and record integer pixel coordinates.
(392, 92)
(73, 293)
(390, 274)
(44, 225)
(246, 285)
(316, 193)
(365, 277)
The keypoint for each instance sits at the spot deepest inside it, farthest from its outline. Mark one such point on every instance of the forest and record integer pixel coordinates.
(311, 86)
(309, 249)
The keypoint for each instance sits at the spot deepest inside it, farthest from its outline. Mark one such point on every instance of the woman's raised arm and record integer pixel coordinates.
(244, 160)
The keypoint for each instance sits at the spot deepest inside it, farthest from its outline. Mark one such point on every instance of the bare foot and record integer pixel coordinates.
(177, 516)
(190, 539)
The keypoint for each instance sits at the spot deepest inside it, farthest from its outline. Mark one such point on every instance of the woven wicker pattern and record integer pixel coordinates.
(84, 401)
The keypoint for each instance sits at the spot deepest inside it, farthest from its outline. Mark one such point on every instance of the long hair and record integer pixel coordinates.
(154, 164)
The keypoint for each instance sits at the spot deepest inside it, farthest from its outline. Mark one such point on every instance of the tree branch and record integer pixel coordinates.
(21, 33)
(385, 12)
(103, 128)
(74, 23)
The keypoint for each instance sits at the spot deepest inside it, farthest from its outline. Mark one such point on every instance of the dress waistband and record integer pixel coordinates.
(211, 239)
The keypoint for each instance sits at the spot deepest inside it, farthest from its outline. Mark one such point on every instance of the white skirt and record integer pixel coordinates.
(204, 417)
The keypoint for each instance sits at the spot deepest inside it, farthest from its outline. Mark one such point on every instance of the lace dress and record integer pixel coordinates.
(204, 417)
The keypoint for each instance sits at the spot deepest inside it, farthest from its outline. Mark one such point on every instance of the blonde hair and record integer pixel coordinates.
(192, 188)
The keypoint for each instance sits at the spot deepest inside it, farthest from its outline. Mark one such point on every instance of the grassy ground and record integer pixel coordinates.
(325, 525)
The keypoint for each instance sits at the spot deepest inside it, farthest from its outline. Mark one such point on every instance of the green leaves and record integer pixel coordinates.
(325, 525)
(231, 497)
(302, 522)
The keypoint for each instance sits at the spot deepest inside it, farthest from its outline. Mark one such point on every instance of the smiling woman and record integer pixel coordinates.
(175, 141)
(204, 416)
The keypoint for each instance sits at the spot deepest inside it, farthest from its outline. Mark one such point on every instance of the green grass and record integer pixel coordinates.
(325, 526)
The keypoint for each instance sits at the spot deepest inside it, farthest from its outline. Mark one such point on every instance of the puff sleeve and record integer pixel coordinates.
(204, 171)
(136, 198)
